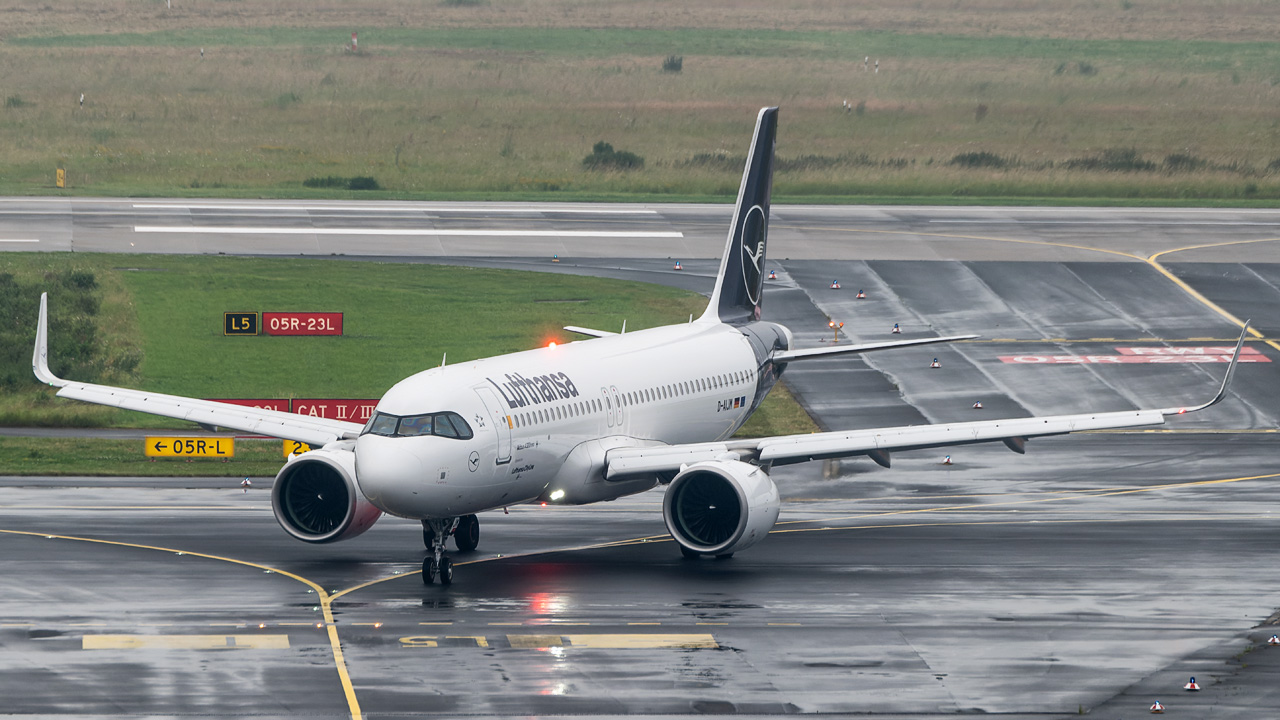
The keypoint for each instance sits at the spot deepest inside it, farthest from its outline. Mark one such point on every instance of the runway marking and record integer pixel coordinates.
(1012, 221)
(1127, 359)
(645, 641)
(186, 642)
(1152, 261)
(405, 209)
(406, 232)
(20, 240)
(326, 600)
(1058, 341)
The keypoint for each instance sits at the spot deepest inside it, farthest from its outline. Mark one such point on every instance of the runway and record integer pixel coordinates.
(1094, 574)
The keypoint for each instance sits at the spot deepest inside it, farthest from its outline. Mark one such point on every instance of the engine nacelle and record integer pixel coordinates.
(720, 506)
(316, 498)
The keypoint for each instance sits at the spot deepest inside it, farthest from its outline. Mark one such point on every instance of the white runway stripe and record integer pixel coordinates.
(1029, 221)
(411, 232)
(403, 209)
(22, 240)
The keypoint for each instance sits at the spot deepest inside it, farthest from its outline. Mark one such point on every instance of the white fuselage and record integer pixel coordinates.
(530, 411)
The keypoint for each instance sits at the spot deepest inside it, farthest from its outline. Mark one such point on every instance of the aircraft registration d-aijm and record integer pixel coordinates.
(586, 421)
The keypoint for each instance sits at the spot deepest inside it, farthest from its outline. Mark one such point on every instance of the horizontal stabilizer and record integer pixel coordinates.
(588, 331)
(810, 353)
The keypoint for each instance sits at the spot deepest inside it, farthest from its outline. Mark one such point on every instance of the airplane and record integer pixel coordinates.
(587, 421)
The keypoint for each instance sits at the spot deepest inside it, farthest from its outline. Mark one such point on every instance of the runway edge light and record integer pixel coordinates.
(1274, 640)
(1191, 685)
(1157, 708)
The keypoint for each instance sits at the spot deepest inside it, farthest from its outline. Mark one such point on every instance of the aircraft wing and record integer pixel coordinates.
(288, 426)
(878, 443)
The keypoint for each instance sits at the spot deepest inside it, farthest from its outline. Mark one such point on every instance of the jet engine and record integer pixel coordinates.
(720, 506)
(316, 498)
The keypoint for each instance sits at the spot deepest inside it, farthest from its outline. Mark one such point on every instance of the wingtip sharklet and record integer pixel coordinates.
(1226, 379)
(40, 356)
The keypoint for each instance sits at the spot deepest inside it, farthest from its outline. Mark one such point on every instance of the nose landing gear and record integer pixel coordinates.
(434, 534)
(466, 535)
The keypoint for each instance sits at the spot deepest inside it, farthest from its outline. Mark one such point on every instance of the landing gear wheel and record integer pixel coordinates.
(435, 532)
(689, 554)
(467, 534)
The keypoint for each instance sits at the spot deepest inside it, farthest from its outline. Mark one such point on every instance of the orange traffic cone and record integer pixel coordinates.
(935, 364)
(860, 296)
(977, 405)
(1275, 640)
(1191, 685)
(835, 284)
(773, 275)
(1157, 708)
(678, 266)
(946, 460)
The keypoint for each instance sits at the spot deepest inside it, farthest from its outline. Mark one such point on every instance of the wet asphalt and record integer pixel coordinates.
(1096, 573)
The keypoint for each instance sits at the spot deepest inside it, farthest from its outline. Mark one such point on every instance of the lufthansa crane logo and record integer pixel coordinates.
(753, 238)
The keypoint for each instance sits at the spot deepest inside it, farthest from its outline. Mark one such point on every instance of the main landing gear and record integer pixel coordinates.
(466, 535)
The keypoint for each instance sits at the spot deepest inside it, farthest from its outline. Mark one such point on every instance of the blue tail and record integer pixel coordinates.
(737, 296)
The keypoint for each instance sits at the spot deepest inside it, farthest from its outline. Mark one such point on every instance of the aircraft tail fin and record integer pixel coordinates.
(737, 294)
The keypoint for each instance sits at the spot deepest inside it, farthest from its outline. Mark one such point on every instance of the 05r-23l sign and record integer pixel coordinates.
(302, 323)
(282, 323)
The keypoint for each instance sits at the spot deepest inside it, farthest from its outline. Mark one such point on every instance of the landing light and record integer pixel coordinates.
(557, 494)
(552, 344)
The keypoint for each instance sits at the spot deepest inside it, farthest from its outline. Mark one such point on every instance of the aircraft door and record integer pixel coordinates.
(608, 406)
(501, 421)
(617, 406)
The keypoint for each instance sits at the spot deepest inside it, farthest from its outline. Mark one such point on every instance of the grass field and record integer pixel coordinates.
(504, 99)
(166, 313)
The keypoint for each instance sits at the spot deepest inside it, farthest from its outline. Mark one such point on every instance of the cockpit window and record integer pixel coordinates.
(446, 424)
(382, 424)
(415, 425)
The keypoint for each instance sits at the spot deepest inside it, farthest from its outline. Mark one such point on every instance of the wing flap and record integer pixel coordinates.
(661, 458)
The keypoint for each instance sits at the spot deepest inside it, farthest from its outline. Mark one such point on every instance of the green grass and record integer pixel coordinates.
(1175, 55)
(116, 458)
(502, 101)
(398, 320)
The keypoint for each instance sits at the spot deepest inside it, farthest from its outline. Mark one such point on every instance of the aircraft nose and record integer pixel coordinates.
(387, 473)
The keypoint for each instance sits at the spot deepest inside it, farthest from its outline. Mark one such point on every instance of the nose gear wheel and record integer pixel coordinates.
(437, 564)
